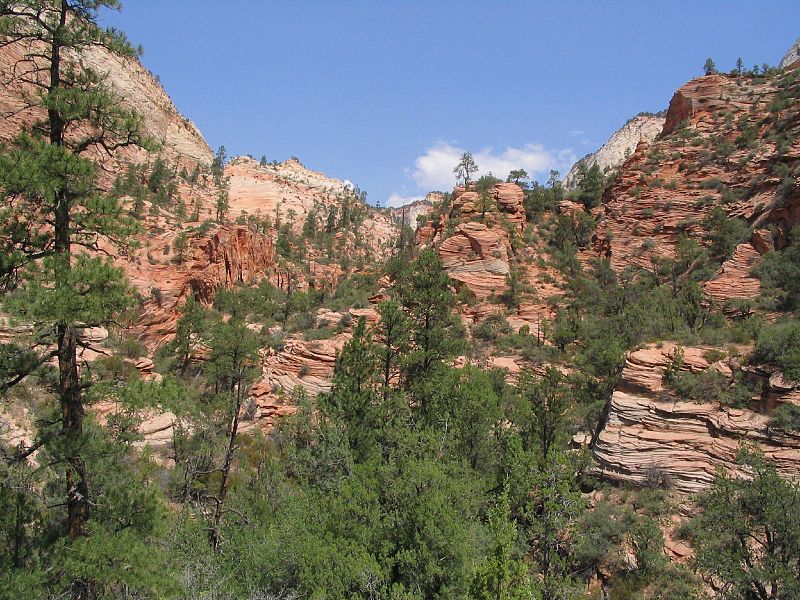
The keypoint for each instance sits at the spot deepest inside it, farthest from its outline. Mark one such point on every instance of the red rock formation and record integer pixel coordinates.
(478, 257)
(703, 158)
(478, 250)
(226, 257)
(647, 429)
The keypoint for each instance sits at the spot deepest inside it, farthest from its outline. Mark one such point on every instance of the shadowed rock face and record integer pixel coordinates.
(649, 431)
(225, 257)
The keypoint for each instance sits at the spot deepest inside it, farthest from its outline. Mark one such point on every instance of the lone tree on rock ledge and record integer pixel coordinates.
(465, 168)
(709, 68)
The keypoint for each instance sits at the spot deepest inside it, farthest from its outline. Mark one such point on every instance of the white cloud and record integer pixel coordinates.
(396, 200)
(575, 132)
(434, 169)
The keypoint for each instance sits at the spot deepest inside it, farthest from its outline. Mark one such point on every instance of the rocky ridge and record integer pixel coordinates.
(722, 143)
(621, 145)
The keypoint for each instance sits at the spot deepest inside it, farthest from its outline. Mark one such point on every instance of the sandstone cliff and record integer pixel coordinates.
(649, 430)
(727, 141)
(138, 88)
(621, 145)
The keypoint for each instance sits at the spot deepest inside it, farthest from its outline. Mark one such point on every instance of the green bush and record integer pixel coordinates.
(786, 417)
(779, 344)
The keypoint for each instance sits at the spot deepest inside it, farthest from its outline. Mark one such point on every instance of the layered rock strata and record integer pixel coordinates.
(650, 431)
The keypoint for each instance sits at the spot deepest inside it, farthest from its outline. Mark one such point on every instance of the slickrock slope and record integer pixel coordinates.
(273, 190)
(728, 141)
(647, 429)
(622, 144)
(139, 89)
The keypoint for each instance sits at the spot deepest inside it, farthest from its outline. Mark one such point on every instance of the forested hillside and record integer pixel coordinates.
(237, 379)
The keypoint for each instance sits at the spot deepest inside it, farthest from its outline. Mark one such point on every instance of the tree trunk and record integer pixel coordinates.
(226, 469)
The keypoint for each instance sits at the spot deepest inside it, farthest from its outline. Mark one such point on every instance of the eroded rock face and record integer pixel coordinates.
(614, 152)
(226, 257)
(289, 191)
(180, 138)
(701, 160)
(647, 430)
(476, 256)
(478, 252)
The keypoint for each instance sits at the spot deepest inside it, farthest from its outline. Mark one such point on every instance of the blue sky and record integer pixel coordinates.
(385, 93)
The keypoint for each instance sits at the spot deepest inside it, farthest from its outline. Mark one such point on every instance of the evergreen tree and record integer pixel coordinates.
(591, 186)
(465, 168)
(504, 574)
(189, 325)
(218, 164)
(392, 338)
(748, 535)
(353, 397)
(52, 204)
(223, 200)
(518, 176)
(180, 245)
(231, 367)
(709, 68)
(425, 293)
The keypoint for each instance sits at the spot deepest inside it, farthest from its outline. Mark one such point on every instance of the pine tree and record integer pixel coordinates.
(709, 68)
(353, 397)
(231, 367)
(223, 200)
(54, 215)
(392, 338)
(425, 293)
(465, 168)
(53, 203)
(504, 574)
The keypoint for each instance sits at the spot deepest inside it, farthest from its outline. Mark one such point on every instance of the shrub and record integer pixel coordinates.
(786, 418)
(779, 344)
(705, 386)
(491, 328)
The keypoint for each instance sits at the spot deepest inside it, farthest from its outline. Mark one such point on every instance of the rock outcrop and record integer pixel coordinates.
(613, 153)
(478, 248)
(181, 141)
(477, 256)
(225, 257)
(289, 191)
(792, 56)
(410, 213)
(727, 141)
(650, 431)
